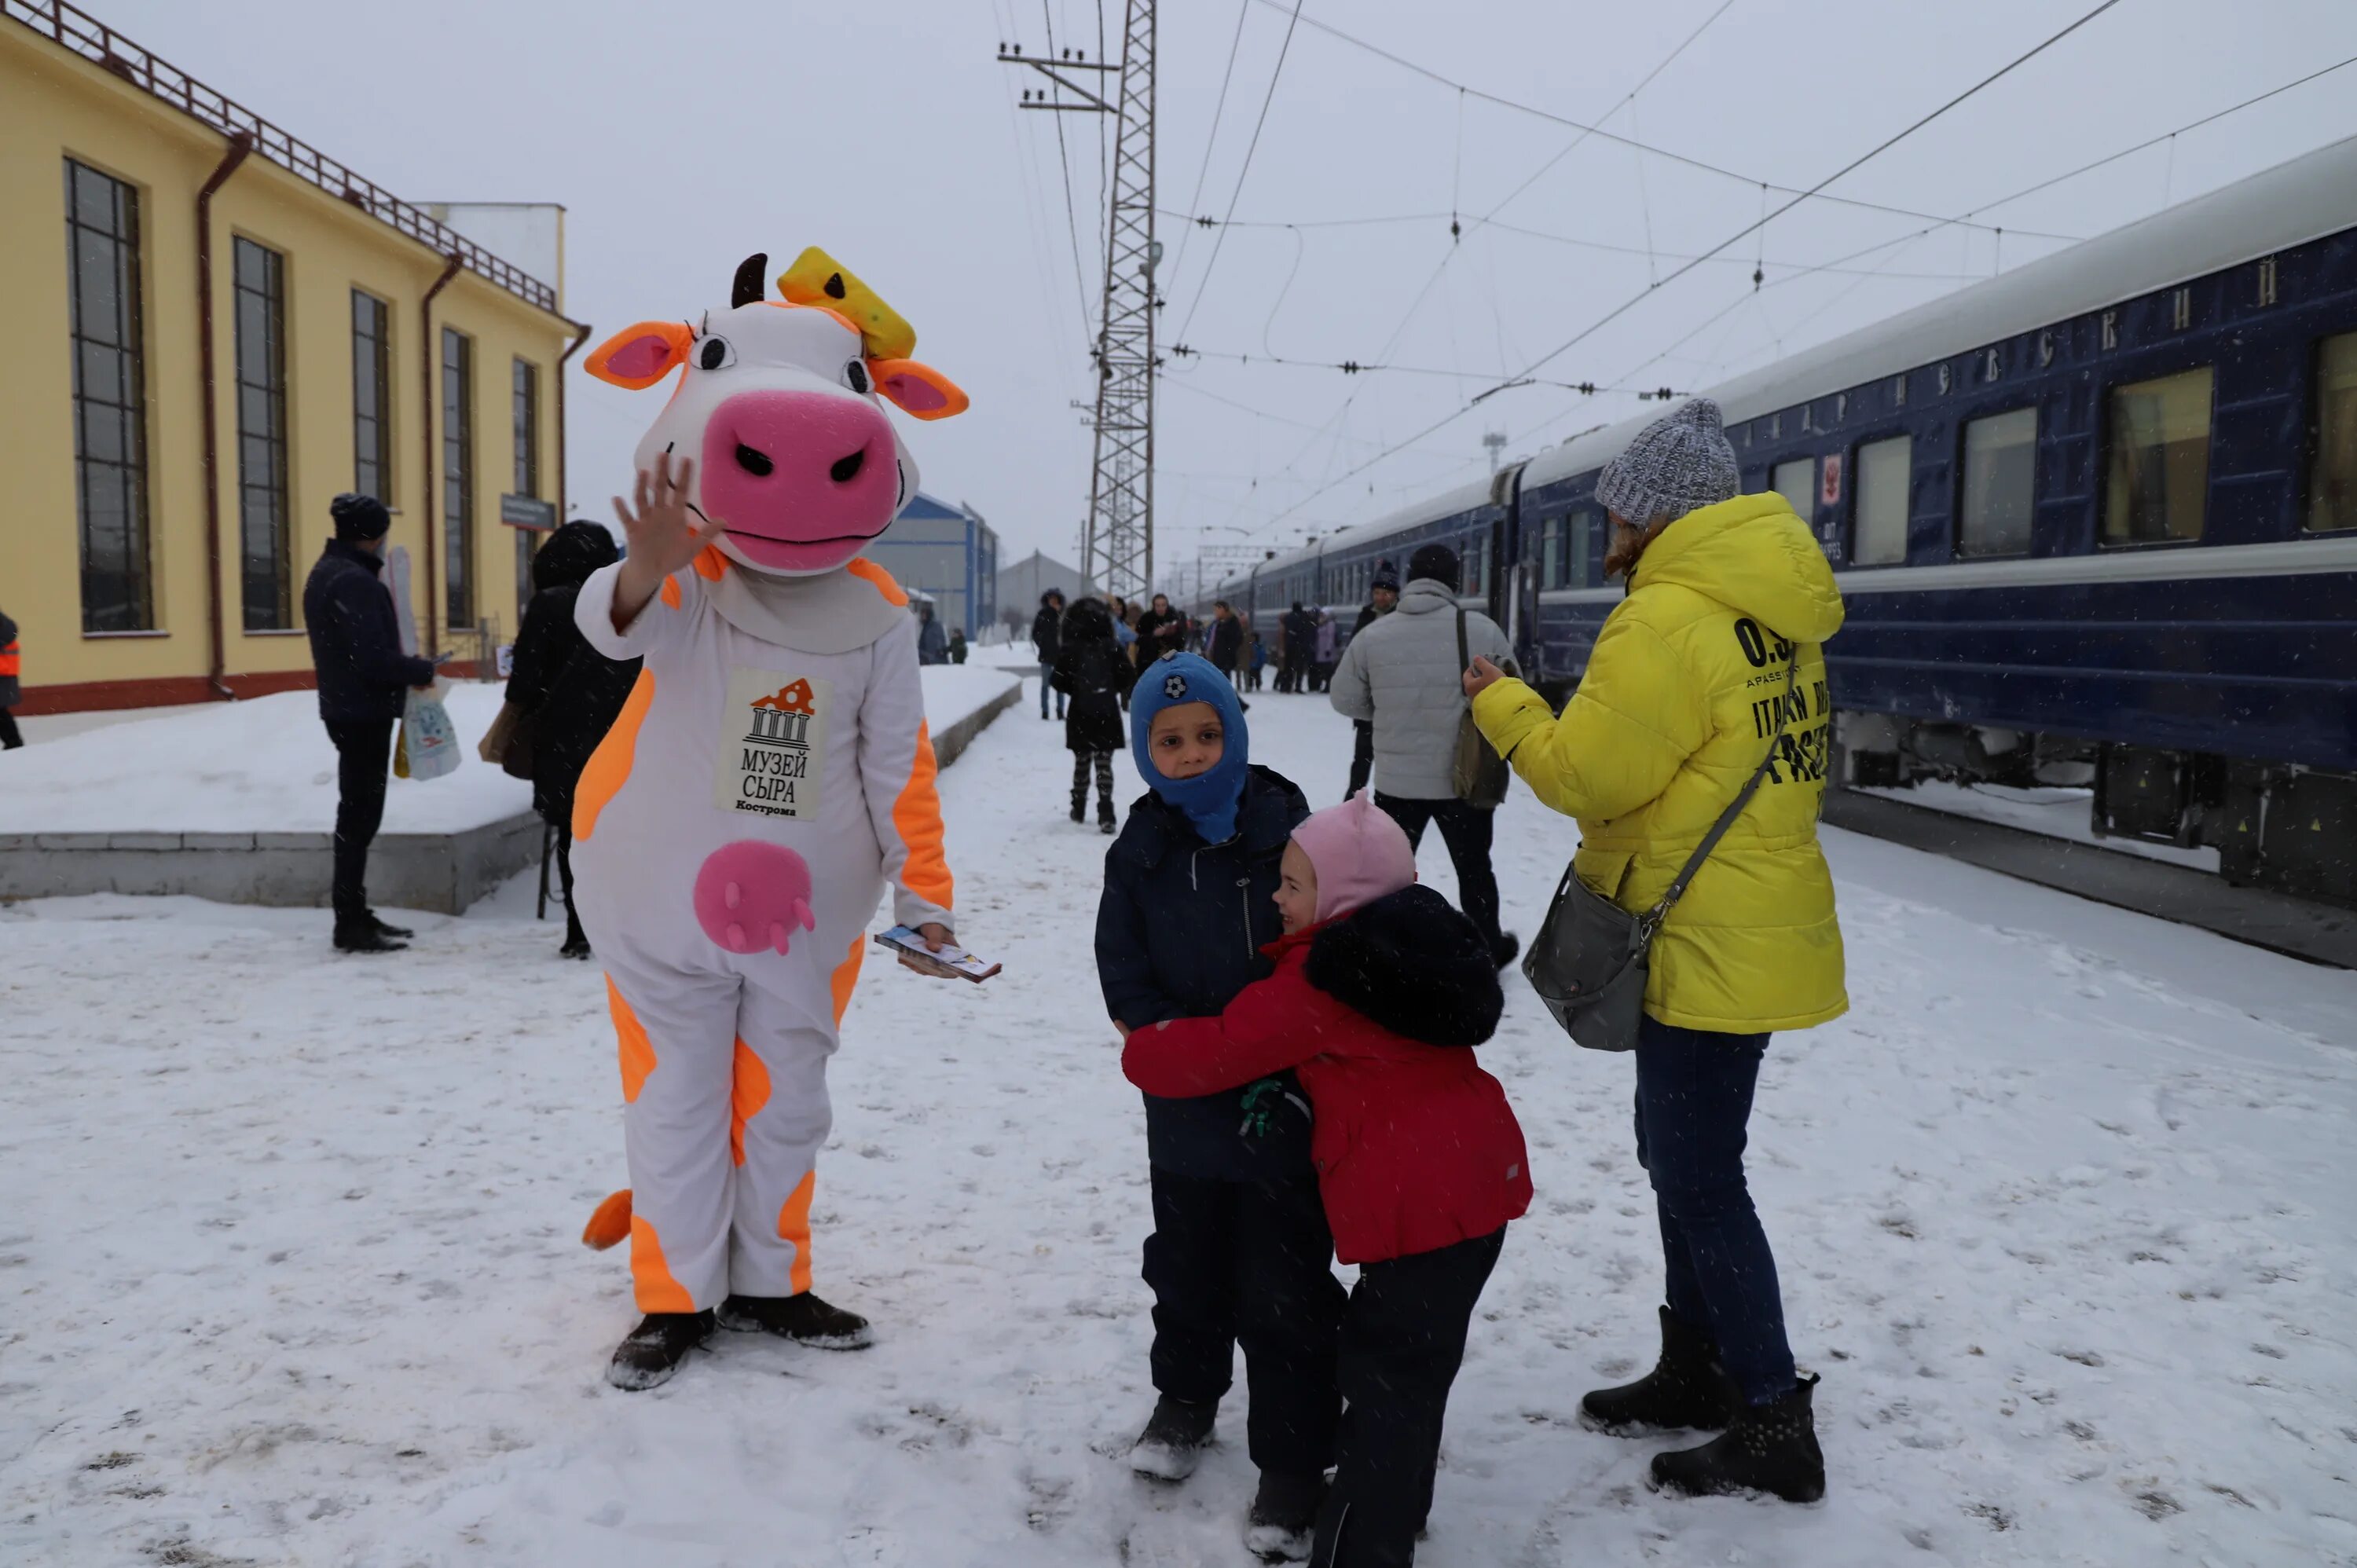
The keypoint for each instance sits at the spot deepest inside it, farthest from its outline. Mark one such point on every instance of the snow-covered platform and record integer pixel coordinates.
(236, 803)
(2062, 1210)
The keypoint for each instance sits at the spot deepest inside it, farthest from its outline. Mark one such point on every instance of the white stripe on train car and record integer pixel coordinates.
(2164, 564)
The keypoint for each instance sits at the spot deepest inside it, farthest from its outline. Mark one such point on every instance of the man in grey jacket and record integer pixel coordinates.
(1404, 673)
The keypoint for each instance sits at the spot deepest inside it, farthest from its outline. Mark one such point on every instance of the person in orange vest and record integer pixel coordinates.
(12, 668)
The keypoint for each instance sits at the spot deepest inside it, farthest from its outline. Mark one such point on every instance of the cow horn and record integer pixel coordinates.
(751, 285)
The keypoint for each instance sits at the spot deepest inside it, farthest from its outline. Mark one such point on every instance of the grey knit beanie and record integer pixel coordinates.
(1679, 463)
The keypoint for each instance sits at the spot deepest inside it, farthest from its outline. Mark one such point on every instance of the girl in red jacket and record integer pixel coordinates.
(1381, 988)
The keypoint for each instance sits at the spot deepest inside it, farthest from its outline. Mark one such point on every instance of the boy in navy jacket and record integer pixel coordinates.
(1241, 1249)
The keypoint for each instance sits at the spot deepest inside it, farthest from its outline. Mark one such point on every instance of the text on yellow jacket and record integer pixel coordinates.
(1678, 706)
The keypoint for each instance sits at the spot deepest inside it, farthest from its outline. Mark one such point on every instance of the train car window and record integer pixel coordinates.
(2333, 485)
(2000, 484)
(1883, 470)
(2157, 478)
(1796, 481)
(1474, 576)
(1551, 553)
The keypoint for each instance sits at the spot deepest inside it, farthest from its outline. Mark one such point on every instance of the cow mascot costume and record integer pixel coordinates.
(770, 773)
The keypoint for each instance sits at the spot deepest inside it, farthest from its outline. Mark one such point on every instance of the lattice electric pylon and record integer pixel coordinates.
(1117, 549)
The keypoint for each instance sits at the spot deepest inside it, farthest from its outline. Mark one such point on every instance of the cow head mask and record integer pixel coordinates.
(777, 401)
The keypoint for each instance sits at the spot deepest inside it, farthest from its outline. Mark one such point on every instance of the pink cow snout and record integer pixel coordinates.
(799, 479)
(752, 897)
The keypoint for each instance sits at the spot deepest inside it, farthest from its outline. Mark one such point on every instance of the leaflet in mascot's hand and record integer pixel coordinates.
(952, 960)
(770, 779)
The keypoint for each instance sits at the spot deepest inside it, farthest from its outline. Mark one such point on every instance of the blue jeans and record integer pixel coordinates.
(1045, 690)
(1694, 1096)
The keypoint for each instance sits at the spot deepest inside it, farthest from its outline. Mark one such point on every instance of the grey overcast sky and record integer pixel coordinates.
(684, 136)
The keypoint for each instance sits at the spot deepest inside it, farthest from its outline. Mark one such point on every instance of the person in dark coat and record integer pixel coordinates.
(1091, 670)
(1380, 990)
(1227, 641)
(1382, 596)
(1300, 629)
(364, 680)
(1160, 630)
(12, 692)
(957, 645)
(567, 694)
(933, 642)
(1047, 637)
(1241, 1250)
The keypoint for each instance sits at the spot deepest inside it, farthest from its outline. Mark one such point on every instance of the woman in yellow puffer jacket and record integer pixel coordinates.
(1682, 699)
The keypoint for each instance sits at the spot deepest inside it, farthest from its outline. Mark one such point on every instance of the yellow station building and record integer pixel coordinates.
(215, 329)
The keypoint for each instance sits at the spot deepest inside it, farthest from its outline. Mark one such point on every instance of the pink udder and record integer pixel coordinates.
(752, 897)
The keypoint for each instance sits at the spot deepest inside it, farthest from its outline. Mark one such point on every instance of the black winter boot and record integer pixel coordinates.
(1769, 1449)
(1079, 812)
(800, 1317)
(1173, 1438)
(1686, 1387)
(362, 937)
(656, 1347)
(382, 928)
(1283, 1517)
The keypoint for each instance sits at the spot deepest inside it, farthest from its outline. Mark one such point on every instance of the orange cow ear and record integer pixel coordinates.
(918, 389)
(638, 356)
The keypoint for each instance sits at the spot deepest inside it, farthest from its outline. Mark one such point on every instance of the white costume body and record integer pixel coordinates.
(725, 1084)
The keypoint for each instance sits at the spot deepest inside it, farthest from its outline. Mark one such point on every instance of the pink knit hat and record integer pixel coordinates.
(1358, 853)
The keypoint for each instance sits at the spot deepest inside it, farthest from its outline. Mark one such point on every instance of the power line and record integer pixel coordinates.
(1597, 130)
(1071, 214)
(2166, 136)
(1354, 368)
(1244, 9)
(1855, 164)
(1455, 232)
(1621, 309)
(1250, 148)
(1572, 240)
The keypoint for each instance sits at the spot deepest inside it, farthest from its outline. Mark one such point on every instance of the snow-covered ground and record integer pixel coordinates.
(266, 765)
(2063, 1210)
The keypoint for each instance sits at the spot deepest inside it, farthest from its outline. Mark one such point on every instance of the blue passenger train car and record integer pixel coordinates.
(2094, 520)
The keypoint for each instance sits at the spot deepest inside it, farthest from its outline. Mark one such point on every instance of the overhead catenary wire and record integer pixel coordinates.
(1589, 129)
(1071, 212)
(1285, 48)
(1212, 138)
(1630, 303)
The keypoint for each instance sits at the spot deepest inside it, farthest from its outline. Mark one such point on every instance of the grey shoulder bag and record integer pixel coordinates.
(1589, 962)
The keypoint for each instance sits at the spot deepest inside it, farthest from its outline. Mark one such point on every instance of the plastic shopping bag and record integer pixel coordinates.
(427, 747)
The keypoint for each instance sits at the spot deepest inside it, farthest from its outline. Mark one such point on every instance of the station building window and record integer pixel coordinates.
(524, 398)
(2332, 483)
(1796, 481)
(458, 478)
(2157, 478)
(109, 401)
(266, 563)
(2000, 484)
(1884, 469)
(371, 396)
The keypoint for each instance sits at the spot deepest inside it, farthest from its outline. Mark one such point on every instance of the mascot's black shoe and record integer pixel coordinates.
(656, 1347)
(802, 1318)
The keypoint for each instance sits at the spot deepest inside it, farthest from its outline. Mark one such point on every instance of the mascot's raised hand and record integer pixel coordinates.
(664, 534)
(770, 780)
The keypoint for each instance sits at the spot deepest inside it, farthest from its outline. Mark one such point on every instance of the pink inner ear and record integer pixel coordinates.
(641, 357)
(914, 394)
